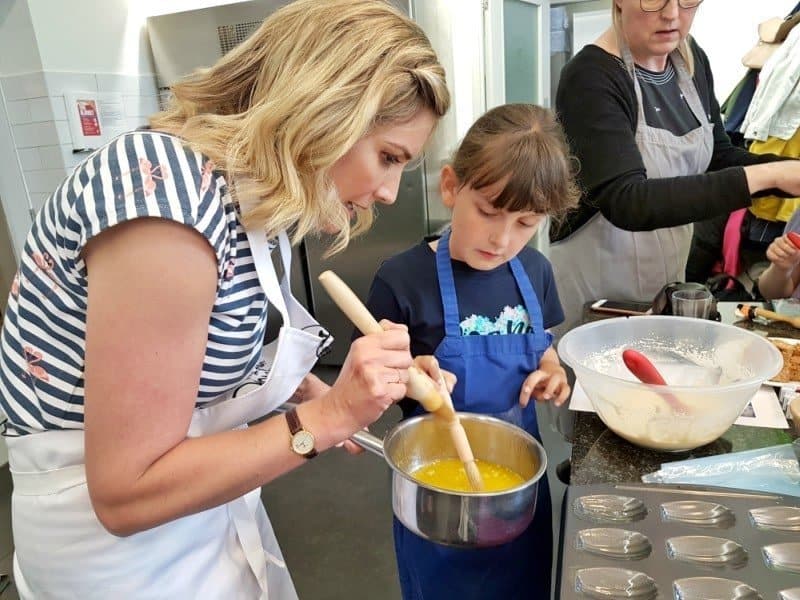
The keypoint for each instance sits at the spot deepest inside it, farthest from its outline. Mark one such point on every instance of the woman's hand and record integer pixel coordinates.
(547, 383)
(788, 176)
(784, 175)
(373, 376)
(428, 365)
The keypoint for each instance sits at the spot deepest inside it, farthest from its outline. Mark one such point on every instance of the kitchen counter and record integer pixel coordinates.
(600, 456)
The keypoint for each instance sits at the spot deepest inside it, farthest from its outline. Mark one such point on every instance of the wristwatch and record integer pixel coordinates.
(302, 441)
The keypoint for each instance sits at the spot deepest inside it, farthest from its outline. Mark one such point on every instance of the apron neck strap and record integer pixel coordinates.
(267, 278)
(447, 287)
(627, 57)
(285, 249)
(532, 304)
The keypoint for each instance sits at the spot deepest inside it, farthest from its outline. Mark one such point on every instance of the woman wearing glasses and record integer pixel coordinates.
(639, 110)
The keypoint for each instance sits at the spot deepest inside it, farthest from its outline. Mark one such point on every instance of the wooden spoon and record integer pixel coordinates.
(646, 372)
(459, 436)
(794, 415)
(751, 312)
(420, 387)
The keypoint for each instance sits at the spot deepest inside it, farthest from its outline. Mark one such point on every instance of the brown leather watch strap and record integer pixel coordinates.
(293, 420)
(295, 427)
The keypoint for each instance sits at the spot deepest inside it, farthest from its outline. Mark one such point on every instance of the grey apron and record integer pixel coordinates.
(600, 260)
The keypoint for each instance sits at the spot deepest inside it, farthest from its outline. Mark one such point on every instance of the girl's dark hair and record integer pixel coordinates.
(526, 145)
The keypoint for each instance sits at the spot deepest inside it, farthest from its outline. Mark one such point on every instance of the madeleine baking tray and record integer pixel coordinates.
(678, 542)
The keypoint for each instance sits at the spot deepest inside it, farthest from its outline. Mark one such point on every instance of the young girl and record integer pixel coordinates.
(481, 301)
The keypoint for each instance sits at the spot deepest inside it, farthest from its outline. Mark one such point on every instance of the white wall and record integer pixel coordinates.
(49, 47)
(727, 29)
(164, 7)
(106, 36)
(18, 54)
(101, 36)
(18, 50)
(182, 42)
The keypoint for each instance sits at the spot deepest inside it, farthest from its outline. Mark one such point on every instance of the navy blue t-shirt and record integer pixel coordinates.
(406, 290)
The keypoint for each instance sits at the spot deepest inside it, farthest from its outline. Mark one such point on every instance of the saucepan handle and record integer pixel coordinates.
(363, 438)
(368, 442)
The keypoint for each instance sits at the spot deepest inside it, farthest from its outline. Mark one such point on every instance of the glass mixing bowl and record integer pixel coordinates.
(712, 370)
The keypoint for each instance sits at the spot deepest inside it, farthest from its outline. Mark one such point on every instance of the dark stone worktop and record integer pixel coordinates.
(600, 456)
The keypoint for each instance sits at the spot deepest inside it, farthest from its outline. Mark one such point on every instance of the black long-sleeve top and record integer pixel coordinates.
(596, 103)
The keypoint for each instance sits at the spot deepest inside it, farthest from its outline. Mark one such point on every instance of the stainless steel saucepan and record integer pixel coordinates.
(462, 519)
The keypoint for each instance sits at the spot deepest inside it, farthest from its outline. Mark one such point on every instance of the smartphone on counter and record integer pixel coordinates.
(622, 307)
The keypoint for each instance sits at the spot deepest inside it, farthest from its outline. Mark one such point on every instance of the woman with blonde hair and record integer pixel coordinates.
(133, 348)
(639, 109)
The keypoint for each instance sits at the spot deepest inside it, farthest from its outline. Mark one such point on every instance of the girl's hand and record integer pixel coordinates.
(430, 366)
(313, 387)
(783, 253)
(373, 377)
(310, 388)
(351, 447)
(547, 383)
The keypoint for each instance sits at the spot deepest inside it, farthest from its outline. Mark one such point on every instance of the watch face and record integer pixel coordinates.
(302, 442)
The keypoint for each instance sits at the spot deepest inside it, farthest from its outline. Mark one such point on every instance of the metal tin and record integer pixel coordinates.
(706, 543)
(469, 519)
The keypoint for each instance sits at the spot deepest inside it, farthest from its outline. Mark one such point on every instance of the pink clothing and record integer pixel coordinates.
(731, 240)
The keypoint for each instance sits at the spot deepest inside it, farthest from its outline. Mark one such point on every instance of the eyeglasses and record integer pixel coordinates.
(657, 5)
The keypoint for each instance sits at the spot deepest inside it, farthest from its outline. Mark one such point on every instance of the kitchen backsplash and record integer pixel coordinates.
(38, 116)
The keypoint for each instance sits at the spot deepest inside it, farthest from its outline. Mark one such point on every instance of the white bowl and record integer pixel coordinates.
(712, 369)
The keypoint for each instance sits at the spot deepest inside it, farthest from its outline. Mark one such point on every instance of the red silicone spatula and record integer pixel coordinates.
(794, 237)
(646, 372)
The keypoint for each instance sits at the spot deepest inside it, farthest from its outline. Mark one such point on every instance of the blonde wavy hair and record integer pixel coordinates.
(684, 47)
(276, 112)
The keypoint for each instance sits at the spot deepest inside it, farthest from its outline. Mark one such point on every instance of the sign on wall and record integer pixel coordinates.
(94, 118)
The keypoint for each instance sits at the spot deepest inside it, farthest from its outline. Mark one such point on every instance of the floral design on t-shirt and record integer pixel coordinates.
(510, 321)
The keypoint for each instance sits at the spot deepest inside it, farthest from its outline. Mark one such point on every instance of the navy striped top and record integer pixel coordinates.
(139, 174)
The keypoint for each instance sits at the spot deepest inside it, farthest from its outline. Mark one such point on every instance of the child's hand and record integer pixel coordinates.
(430, 366)
(783, 253)
(547, 383)
(310, 388)
(351, 447)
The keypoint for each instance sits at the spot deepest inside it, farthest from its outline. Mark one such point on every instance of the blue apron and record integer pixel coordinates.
(490, 371)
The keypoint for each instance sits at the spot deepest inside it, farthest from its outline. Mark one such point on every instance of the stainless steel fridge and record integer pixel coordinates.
(396, 228)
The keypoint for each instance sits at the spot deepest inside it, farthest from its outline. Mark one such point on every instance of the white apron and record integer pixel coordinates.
(62, 550)
(600, 260)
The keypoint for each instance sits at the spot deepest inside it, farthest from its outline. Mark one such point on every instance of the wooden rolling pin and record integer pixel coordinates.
(794, 415)
(420, 387)
(751, 312)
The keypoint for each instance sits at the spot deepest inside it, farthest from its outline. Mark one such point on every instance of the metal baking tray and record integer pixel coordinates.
(678, 542)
